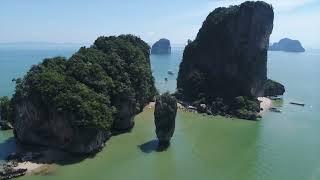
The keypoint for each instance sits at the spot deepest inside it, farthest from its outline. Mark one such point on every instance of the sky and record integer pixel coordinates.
(82, 21)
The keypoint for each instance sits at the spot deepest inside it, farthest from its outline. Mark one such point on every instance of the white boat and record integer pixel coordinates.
(275, 97)
(192, 108)
(297, 103)
(170, 72)
(273, 109)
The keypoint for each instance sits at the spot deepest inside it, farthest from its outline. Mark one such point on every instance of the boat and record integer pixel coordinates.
(297, 103)
(170, 72)
(275, 97)
(166, 79)
(273, 109)
(192, 108)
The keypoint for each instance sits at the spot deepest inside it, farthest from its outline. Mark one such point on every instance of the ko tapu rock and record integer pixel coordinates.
(164, 118)
(225, 67)
(161, 47)
(287, 45)
(76, 104)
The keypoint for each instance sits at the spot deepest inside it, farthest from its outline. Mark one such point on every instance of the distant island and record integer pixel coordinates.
(224, 69)
(161, 47)
(287, 45)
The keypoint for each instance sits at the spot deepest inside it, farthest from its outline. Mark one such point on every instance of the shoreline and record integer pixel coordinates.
(31, 162)
(41, 167)
(34, 168)
(265, 104)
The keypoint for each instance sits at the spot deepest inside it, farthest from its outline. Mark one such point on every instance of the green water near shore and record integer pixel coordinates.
(280, 146)
(204, 147)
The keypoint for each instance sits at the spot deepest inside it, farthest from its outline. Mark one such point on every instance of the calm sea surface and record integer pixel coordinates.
(280, 146)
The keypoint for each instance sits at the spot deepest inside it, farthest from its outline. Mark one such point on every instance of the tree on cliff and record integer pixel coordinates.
(164, 117)
(95, 89)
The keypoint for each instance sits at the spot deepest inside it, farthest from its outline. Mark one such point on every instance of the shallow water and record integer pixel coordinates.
(280, 146)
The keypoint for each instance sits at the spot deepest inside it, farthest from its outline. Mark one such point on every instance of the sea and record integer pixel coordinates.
(280, 146)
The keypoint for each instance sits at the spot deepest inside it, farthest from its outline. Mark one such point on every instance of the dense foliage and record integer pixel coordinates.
(228, 58)
(164, 116)
(273, 88)
(90, 83)
(6, 109)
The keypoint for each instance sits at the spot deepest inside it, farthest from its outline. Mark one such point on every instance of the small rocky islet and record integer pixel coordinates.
(287, 45)
(162, 46)
(77, 104)
(164, 117)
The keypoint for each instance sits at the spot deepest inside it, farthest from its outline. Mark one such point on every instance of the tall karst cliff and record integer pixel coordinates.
(228, 58)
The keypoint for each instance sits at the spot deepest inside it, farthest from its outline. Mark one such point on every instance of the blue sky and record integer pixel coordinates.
(80, 21)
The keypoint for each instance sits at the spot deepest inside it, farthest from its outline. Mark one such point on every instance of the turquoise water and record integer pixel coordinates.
(280, 146)
(161, 64)
(14, 63)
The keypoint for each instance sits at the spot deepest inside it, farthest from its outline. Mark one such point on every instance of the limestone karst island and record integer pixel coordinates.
(162, 46)
(159, 90)
(287, 45)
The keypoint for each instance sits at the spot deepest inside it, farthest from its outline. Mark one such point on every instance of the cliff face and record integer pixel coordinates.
(273, 88)
(228, 58)
(75, 104)
(161, 47)
(164, 117)
(34, 126)
(287, 45)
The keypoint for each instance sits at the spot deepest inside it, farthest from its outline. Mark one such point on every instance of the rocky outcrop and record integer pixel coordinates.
(161, 47)
(76, 104)
(273, 88)
(228, 58)
(4, 125)
(11, 173)
(126, 112)
(164, 117)
(287, 45)
(53, 129)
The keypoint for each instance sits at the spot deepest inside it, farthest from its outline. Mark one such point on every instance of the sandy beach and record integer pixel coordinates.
(265, 104)
(152, 105)
(35, 168)
(41, 165)
(30, 166)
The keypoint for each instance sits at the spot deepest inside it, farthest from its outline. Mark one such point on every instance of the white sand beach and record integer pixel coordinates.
(265, 104)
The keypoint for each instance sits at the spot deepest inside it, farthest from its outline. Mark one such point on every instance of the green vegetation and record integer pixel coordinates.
(164, 117)
(6, 109)
(273, 88)
(89, 85)
(246, 107)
